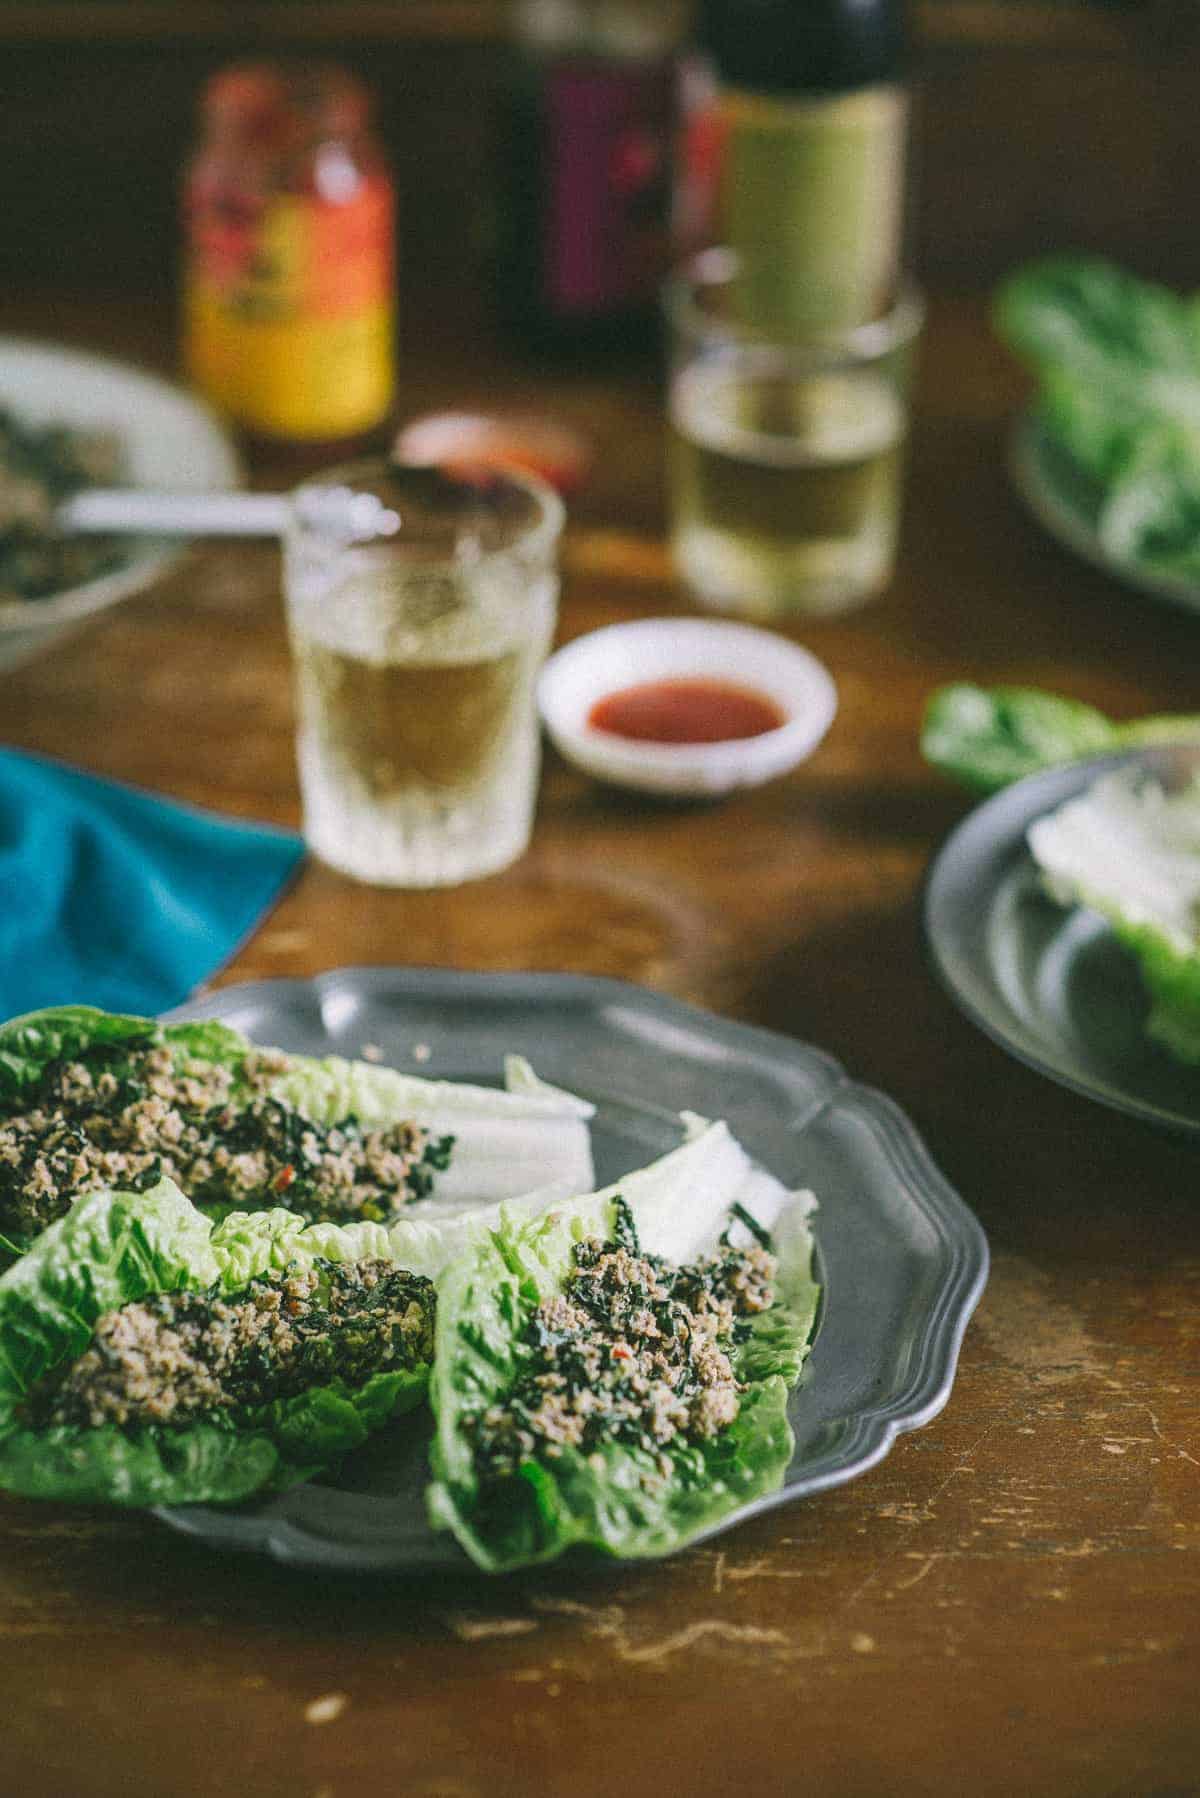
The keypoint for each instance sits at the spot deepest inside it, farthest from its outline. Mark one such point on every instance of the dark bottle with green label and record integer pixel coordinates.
(798, 151)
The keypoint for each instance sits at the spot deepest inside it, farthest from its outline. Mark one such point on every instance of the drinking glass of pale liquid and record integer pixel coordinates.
(784, 456)
(420, 609)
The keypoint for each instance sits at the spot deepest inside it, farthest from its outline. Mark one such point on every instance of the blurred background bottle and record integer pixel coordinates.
(793, 153)
(289, 257)
(586, 144)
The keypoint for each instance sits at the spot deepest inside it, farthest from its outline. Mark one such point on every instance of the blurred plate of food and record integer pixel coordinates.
(69, 420)
(1067, 504)
(1108, 455)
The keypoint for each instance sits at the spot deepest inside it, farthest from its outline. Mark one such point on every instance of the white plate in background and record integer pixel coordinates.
(169, 440)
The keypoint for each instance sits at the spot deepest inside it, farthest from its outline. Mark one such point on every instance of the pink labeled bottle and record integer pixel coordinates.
(586, 171)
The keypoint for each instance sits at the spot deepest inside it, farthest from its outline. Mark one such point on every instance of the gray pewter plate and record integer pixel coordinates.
(1050, 984)
(901, 1260)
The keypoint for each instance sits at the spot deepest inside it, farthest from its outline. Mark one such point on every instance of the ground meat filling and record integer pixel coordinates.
(122, 1116)
(635, 1349)
(177, 1357)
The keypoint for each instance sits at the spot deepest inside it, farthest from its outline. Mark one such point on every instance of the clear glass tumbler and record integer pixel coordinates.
(785, 454)
(420, 609)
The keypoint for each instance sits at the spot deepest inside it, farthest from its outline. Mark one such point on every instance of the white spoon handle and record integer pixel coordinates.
(174, 514)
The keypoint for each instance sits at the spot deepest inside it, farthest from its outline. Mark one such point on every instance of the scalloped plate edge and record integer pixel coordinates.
(863, 1438)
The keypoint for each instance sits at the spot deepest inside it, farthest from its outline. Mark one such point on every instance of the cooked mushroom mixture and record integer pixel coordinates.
(39, 467)
(635, 1350)
(176, 1357)
(123, 1115)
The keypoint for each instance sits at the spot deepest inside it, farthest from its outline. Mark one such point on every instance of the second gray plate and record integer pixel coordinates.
(902, 1261)
(1051, 985)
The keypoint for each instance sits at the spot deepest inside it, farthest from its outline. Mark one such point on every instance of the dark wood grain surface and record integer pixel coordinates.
(1010, 1603)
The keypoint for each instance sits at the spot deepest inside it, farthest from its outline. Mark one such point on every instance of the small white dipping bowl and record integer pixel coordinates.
(653, 649)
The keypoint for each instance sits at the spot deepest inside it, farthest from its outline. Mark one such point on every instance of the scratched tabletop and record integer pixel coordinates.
(1010, 1602)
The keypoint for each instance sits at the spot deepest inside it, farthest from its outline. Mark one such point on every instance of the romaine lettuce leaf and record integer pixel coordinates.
(614, 1501)
(1131, 852)
(681, 1203)
(506, 1141)
(1076, 311)
(29, 1043)
(113, 1248)
(1119, 365)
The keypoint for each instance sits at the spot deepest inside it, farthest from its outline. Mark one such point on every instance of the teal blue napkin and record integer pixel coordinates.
(114, 897)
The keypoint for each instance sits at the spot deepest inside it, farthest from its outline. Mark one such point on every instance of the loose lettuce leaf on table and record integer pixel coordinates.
(1131, 852)
(987, 737)
(113, 1248)
(611, 1501)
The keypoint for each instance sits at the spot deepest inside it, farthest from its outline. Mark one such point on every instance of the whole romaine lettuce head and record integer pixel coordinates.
(501, 1142)
(113, 1248)
(615, 1498)
(1118, 361)
(1131, 852)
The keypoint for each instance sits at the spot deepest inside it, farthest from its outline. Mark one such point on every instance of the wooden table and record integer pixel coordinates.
(1009, 1603)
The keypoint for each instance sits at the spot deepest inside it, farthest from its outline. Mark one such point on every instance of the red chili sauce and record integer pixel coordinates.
(686, 710)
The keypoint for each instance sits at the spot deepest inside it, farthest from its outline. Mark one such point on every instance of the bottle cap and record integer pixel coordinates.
(803, 46)
(469, 442)
(269, 100)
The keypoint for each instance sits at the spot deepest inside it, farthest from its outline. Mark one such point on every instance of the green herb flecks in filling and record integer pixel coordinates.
(40, 466)
(121, 1115)
(176, 1357)
(635, 1349)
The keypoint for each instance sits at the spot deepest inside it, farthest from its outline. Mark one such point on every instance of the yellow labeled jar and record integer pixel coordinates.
(289, 277)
